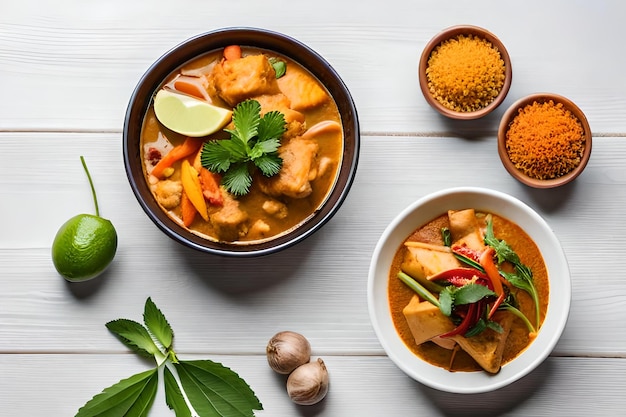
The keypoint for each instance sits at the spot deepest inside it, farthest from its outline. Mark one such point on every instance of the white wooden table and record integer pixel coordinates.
(67, 69)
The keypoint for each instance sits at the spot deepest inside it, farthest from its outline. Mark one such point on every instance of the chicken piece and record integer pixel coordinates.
(168, 193)
(259, 230)
(422, 262)
(427, 322)
(301, 89)
(275, 208)
(293, 180)
(229, 221)
(236, 80)
(294, 120)
(465, 229)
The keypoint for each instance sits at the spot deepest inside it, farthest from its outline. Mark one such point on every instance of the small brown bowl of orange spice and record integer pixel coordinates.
(465, 72)
(544, 140)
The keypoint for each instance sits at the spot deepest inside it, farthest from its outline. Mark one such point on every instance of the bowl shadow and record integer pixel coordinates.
(233, 276)
(492, 403)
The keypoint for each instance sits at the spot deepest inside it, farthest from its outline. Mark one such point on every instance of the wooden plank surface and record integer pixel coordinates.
(67, 69)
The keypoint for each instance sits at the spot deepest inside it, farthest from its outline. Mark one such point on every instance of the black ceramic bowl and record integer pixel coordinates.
(206, 43)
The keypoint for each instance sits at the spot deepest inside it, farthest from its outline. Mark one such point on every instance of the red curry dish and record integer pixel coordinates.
(468, 291)
(311, 148)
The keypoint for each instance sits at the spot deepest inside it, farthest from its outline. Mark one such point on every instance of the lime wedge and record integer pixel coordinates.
(189, 116)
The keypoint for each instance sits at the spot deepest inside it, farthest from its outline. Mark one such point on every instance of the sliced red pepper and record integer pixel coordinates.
(468, 252)
(465, 273)
(486, 261)
(467, 323)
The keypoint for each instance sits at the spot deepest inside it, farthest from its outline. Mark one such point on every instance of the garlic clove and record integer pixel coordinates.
(308, 383)
(287, 350)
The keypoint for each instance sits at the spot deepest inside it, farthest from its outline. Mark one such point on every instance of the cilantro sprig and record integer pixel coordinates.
(199, 388)
(253, 144)
(522, 278)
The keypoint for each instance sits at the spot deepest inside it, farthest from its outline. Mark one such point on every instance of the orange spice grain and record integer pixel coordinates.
(465, 73)
(545, 140)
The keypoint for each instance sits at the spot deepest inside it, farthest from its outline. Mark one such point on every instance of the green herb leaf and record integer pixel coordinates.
(503, 250)
(471, 293)
(157, 324)
(173, 395)
(271, 126)
(269, 165)
(246, 118)
(446, 236)
(134, 336)
(131, 397)
(216, 155)
(237, 179)
(200, 388)
(253, 143)
(215, 390)
(280, 67)
(523, 277)
(446, 300)
(479, 327)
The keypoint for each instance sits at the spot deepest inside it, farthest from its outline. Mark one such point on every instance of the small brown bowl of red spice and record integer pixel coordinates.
(544, 140)
(465, 72)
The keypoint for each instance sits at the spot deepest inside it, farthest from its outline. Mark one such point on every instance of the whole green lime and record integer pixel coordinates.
(84, 247)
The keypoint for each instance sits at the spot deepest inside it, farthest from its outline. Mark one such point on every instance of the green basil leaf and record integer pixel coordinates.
(280, 67)
(157, 324)
(446, 299)
(131, 397)
(479, 327)
(471, 293)
(134, 336)
(173, 395)
(215, 390)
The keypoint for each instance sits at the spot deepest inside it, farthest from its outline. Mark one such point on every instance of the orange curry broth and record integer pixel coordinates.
(299, 209)
(518, 339)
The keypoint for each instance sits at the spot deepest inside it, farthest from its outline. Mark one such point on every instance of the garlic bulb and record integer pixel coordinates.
(287, 350)
(308, 384)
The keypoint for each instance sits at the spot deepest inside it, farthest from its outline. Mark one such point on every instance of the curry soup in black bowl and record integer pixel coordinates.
(241, 142)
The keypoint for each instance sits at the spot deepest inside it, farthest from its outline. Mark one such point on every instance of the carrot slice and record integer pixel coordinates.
(211, 187)
(192, 86)
(191, 185)
(187, 210)
(232, 52)
(189, 146)
(486, 261)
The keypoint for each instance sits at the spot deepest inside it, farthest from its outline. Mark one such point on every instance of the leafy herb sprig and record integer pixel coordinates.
(200, 388)
(522, 278)
(253, 143)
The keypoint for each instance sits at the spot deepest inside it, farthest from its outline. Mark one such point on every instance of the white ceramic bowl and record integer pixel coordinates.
(426, 209)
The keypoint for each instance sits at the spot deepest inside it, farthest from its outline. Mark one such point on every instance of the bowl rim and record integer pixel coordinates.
(508, 117)
(451, 32)
(425, 209)
(206, 42)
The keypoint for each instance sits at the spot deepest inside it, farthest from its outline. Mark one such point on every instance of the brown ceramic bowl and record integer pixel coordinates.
(209, 42)
(510, 115)
(450, 33)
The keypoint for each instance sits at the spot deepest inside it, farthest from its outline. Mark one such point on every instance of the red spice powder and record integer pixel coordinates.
(545, 140)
